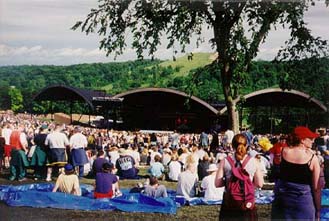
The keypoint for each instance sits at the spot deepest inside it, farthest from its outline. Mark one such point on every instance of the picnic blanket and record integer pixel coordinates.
(39, 195)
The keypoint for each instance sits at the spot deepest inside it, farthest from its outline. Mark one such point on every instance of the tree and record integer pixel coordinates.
(16, 99)
(239, 28)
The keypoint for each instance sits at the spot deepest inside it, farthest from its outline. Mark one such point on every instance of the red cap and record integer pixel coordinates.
(304, 132)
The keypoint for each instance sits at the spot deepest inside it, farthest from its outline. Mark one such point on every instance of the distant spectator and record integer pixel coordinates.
(78, 143)
(113, 155)
(2, 150)
(157, 169)
(18, 162)
(126, 166)
(144, 156)
(175, 168)
(68, 181)
(204, 140)
(188, 180)
(39, 157)
(57, 142)
(203, 166)
(98, 163)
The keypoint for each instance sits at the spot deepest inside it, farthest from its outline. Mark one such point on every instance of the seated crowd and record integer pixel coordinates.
(70, 152)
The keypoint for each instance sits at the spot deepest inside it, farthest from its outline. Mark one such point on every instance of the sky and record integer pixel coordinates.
(37, 32)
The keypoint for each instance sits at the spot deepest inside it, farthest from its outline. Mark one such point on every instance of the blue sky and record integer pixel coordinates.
(38, 32)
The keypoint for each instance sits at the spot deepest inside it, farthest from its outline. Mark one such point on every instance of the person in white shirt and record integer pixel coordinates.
(78, 142)
(188, 180)
(155, 151)
(175, 168)
(136, 155)
(113, 155)
(57, 142)
(208, 185)
(5, 133)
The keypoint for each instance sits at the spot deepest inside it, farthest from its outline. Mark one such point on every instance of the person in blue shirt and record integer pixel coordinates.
(157, 169)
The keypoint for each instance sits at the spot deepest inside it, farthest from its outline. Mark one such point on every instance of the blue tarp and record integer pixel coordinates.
(40, 196)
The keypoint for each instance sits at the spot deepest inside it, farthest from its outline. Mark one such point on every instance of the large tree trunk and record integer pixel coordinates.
(232, 113)
(233, 116)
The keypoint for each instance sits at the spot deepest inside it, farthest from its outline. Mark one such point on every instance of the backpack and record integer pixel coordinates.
(240, 191)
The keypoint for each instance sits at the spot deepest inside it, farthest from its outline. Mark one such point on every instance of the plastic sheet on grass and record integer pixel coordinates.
(40, 196)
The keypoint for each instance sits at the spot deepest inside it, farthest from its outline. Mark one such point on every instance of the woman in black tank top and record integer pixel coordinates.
(297, 191)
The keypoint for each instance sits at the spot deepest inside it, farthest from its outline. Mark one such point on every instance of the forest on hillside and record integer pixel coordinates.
(18, 84)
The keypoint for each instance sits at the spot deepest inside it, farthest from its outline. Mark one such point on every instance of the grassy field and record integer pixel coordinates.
(185, 65)
(203, 212)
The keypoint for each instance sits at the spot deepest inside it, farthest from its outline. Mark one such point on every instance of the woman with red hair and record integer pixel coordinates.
(297, 194)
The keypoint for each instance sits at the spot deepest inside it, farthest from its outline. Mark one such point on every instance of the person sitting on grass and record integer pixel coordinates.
(211, 192)
(98, 163)
(107, 184)
(68, 182)
(154, 189)
(188, 180)
(125, 166)
(157, 169)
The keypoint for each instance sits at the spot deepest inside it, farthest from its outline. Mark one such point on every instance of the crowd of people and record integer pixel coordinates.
(202, 164)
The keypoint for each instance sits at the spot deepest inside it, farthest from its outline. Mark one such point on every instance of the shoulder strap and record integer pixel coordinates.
(246, 161)
(230, 160)
(309, 162)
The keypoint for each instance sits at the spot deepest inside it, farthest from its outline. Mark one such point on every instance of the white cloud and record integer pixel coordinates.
(38, 32)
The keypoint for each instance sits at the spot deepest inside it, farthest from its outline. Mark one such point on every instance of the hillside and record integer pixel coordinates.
(181, 68)
(310, 76)
(185, 65)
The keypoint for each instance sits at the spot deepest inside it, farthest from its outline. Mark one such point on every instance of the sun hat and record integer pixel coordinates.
(123, 152)
(304, 132)
(212, 167)
(68, 167)
(265, 144)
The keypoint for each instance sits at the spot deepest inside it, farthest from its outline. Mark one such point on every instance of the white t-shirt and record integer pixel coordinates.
(187, 183)
(78, 140)
(175, 168)
(6, 132)
(211, 192)
(56, 140)
(251, 168)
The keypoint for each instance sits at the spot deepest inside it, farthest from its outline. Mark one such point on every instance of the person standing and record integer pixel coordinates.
(2, 150)
(297, 190)
(204, 140)
(39, 157)
(322, 145)
(57, 142)
(78, 143)
(5, 133)
(232, 209)
(18, 161)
